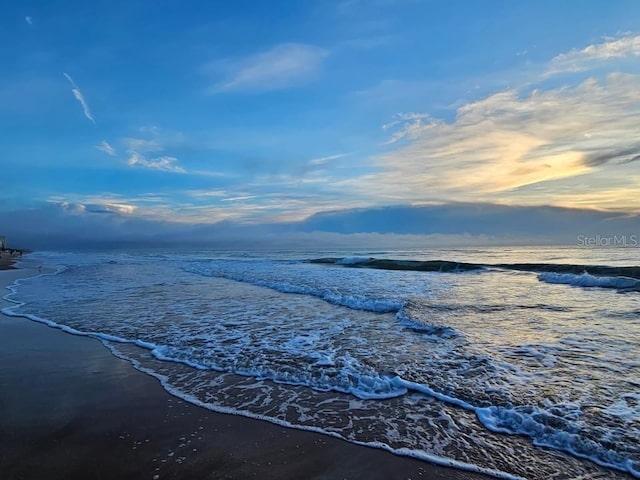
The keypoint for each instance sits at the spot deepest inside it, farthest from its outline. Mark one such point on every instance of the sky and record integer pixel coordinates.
(147, 116)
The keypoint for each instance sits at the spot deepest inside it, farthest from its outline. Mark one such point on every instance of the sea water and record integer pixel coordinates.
(520, 363)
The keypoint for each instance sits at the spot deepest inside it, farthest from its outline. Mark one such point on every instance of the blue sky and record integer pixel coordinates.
(269, 112)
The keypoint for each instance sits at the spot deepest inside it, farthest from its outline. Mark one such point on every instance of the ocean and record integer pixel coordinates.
(516, 362)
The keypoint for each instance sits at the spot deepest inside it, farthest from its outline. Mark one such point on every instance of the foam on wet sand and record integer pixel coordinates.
(73, 410)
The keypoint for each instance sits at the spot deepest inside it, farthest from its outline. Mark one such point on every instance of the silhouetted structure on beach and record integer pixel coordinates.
(12, 251)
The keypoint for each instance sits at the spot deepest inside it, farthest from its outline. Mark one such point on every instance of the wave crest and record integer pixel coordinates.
(588, 280)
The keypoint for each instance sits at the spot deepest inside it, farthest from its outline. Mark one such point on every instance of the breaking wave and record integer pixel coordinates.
(588, 280)
(603, 276)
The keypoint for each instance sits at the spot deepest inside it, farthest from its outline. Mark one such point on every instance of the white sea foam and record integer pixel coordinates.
(304, 284)
(588, 280)
(545, 358)
(442, 331)
(627, 407)
(406, 452)
(549, 430)
(350, 376)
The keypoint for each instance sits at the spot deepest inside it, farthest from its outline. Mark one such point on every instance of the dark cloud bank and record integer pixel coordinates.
(53, 227)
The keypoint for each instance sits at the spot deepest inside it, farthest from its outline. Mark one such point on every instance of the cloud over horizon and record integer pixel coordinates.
(109, 223)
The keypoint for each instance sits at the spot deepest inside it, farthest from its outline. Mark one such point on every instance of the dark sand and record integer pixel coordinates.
(6, 262)
(71, 410)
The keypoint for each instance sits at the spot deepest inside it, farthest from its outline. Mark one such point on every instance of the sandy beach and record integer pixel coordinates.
(72, 410)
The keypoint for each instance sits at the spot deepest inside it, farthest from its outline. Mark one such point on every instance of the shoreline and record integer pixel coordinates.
(72, 410)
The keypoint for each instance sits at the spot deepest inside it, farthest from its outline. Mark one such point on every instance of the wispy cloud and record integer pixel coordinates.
(239, 199)
(285, 65)
(579, 60)
(105, 147)
(164, 163)
(154, 148)
(403, 117)
(202, 207)
(214, 193)
(29, 20)
(80, 97)
(148, 152)
(146, 145)
(316, 162)
(75, 205)
(411, 122)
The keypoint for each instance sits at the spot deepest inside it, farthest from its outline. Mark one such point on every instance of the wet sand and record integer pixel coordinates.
(71, 410)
